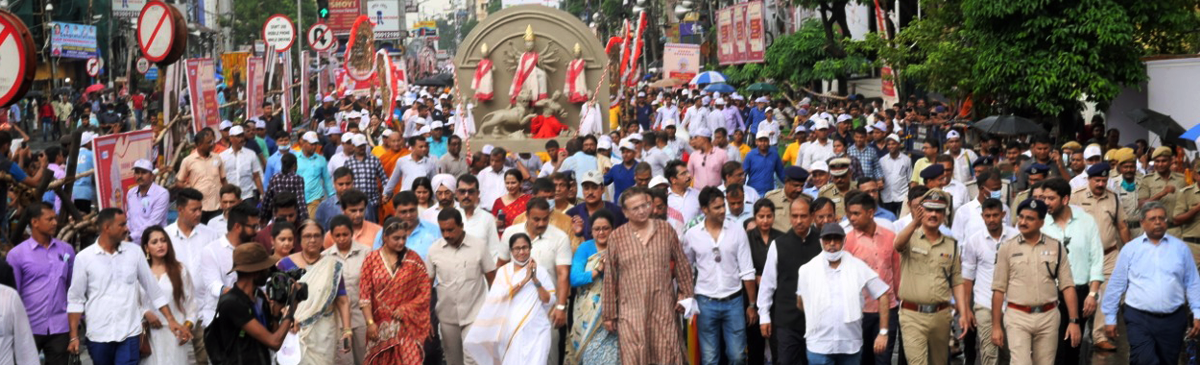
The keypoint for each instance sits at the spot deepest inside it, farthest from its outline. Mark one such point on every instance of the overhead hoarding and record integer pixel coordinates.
(116, 153)
(681, 61)
(342, 14)
(69, 40)
(385, 16)
(741, 33)
(127, 9)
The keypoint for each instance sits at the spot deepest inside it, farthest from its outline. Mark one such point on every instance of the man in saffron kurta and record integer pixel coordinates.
(391, 151)
(639, 295)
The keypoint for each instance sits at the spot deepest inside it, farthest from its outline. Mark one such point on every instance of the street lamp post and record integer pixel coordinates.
(50, 55)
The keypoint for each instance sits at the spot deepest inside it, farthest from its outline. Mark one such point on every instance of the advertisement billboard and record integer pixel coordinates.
(681, 61)
(202, 85)
(116, 153)
(127, 9)
(342, 14)
(385, 16)
(69, 40)
(741, 33)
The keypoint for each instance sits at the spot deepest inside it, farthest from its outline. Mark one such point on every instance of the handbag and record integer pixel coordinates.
(144, 348)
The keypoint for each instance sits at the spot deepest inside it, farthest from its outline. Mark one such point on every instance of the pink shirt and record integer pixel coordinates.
(706, 167)
(879, 252)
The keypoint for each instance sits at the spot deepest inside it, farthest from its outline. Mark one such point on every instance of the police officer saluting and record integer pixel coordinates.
(1030, 271)
(930, 269)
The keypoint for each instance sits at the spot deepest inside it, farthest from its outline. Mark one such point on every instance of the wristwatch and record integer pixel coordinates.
(883, 332)
(1075, 320)
(1093, 294)
(561, 307)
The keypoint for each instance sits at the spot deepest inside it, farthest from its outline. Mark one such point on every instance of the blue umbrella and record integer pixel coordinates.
(1191, 134)
(719, 88)
(708, 77)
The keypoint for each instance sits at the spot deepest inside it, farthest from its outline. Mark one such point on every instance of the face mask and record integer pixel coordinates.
(1129, 186)
(521, 263)
(996, 194)
(832, 256)
(285, 147)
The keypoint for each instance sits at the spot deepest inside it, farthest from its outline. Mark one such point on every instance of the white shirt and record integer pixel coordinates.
(734, 154)
(409, 169)
(657, 159)
(188, 250)
(895, 177)
(338, 160)
(962, 165)
(104, 287)
(482, 225)
(687, 204)
(16, 338)
(491, 186)
(693, 120)
(766, 286)
(771, 126)
(431, 214)
(751, 196)
(546, 170)
(215, 264)
(667, 115)
(979, 261)
(241, 168)
(550, 249)
(724, 278)
(218, 225)
(825, 300)
(968, 219)
(715, 119)
(958, 192)
(1081, 180)
(814, 151)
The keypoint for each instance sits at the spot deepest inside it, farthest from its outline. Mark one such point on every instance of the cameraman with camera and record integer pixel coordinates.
(247, 325)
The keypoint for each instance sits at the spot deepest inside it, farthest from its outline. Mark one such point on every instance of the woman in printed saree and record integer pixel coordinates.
(589, 343)
(316, 321)
(513, 327)
(394, 296)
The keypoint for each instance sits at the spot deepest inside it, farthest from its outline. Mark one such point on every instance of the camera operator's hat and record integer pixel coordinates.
(252, 258)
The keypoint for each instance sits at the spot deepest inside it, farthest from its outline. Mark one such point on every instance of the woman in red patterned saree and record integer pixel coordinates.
(394, 297)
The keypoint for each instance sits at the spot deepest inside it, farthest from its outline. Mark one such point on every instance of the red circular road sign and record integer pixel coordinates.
(93, 66)
(156, 31)
(16, 48)
(279, 32)
(143, 65)
(320, 37)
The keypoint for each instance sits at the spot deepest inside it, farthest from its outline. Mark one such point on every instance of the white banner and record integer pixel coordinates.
(128, 9)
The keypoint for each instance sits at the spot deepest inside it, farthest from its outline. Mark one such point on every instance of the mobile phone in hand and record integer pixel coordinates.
(346, 344)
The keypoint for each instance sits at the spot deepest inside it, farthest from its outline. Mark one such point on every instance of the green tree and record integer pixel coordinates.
(1036, 57)
(803, 58)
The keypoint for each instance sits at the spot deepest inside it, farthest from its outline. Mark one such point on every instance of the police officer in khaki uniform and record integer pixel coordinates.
(793, 188)
(930, 270)
(1036, 172)
(1163, 184)
(1030, 271)
(839, 168)
(1104, 206)
(1187, 217)
(1125, 185)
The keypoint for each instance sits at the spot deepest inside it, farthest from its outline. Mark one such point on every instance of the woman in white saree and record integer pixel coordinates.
(513, 326)
(318, 317)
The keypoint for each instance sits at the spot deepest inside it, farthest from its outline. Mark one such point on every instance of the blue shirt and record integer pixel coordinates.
(621, 178)
(756, 115)
(1153, 278)
(437, 148)
(274, 166)
(880, 212)
(85, 188)
(419, 240)
(580, 276)
(761, 170)
(644, 115)
(328, 209)
(313, 169)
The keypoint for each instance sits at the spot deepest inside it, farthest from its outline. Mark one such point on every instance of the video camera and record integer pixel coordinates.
(279, 286)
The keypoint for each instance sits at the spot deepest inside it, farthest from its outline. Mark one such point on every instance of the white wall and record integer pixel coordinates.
(1172, 90)
(1129, 99)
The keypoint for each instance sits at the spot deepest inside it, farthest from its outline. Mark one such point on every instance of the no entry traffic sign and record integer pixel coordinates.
(156, 31)
(16, 49)
(93, 66)
(279, 32)
(143, 65)
(320, 37)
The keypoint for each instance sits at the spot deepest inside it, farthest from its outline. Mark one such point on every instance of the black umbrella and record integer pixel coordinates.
(1009, 125)
(1162, 125)
(436, 80)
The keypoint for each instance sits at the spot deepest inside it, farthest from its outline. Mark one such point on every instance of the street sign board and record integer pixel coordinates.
(143, 65)
(279, 32)
(20, 58)
(93, 66)
(320, 37)
(156, 31)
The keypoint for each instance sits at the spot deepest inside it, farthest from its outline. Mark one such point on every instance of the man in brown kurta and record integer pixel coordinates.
(640, 298)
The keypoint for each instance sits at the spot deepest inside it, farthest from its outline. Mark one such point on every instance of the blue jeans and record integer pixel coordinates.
(833, 359)
(722, 320)
(114, 353)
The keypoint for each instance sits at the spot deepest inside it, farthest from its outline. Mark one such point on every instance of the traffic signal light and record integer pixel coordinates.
(323, 9)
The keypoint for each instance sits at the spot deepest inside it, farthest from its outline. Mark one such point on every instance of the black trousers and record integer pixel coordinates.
(1068, 355)
(54, 347)
(433, 344)
(870, 325)
(1155, 338)
(791, 348)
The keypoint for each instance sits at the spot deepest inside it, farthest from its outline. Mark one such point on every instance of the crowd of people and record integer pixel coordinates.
(705, 228)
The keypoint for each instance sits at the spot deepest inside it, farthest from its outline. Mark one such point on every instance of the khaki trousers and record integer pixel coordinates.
(1110, 263)
(989, 354)
(926, 336)
(1032, 338)
(452, 344)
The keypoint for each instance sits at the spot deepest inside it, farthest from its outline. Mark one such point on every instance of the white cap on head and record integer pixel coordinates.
(1090, 151)
(349, 137)
(769, 110)
(237, 130)
(443, 96)
(844, 117)
(328, 99)
(952, 135)
(738, 97)
(225, 124)
(347, 93)
(819, 166)
(143, 164)
(437, 125)
(635, 137)
(353, 114)
(705, 100)
(880, 126)
(819, 124)
(259, 124)
(626, 144)
(703, 132)
(360, 140)
(800, 129)
(641, 94)
(86, 138)
(659, 180)
(604, 144)
(487, 149)
(334, 130)
(310, 137)
(720, 102)
(762, 133)
(894, 137)
(762, 99)
(387, 133)
(423, 130)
